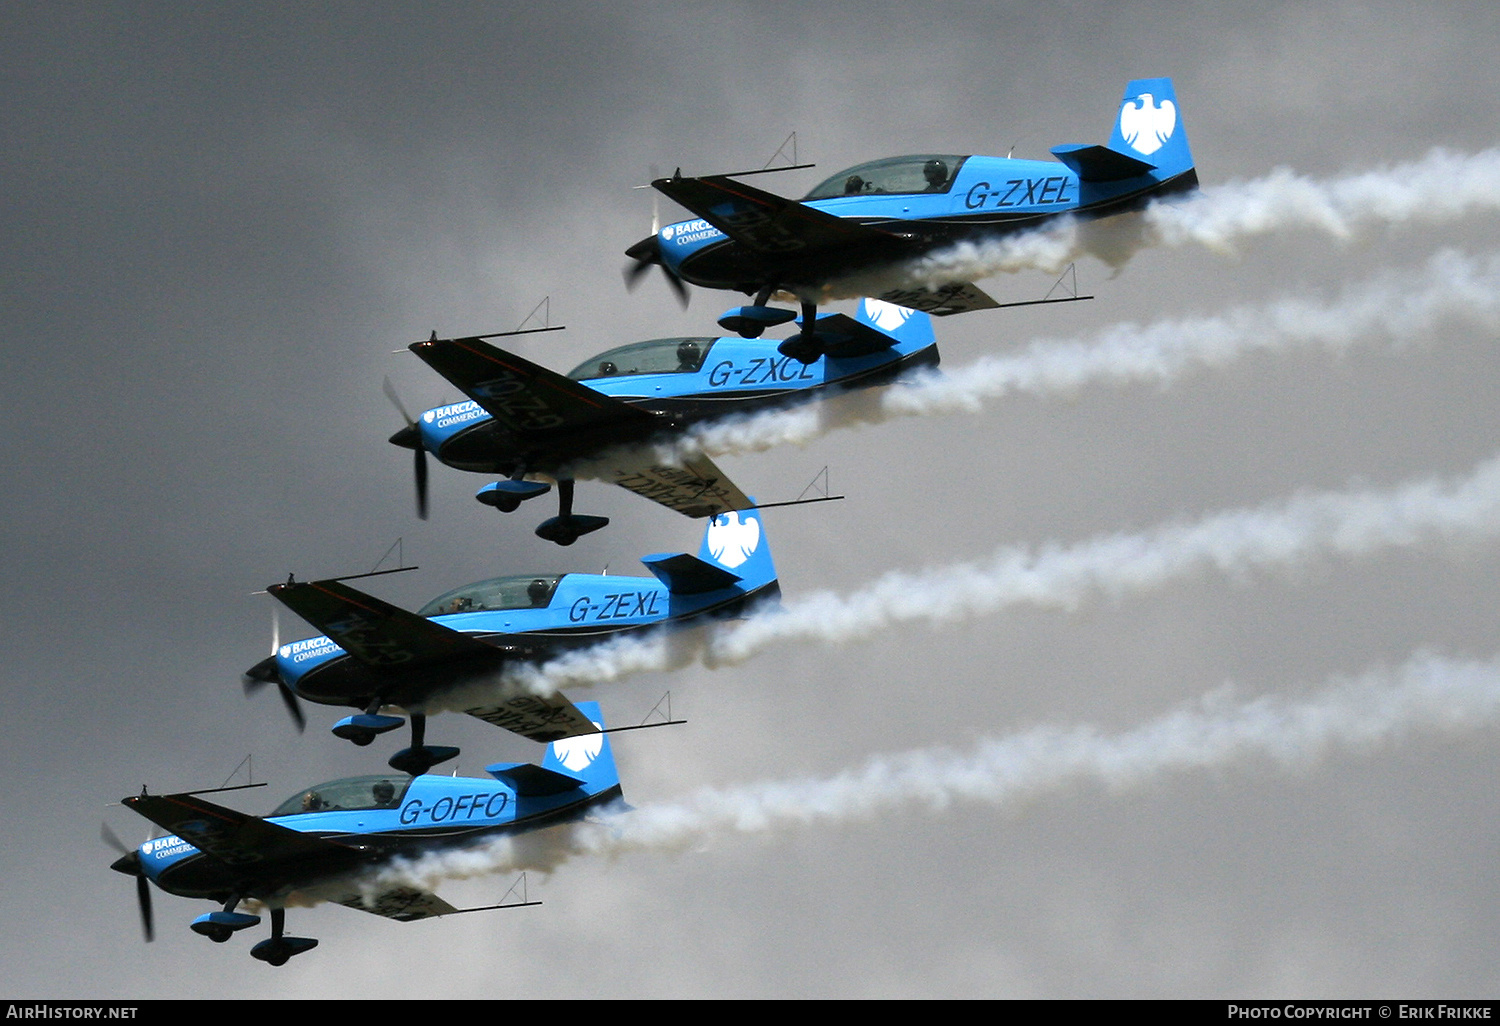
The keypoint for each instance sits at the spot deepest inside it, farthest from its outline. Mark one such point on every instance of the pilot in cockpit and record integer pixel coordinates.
(536, 592)
(936, 173)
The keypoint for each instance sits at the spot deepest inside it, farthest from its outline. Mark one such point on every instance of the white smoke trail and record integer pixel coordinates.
(1279, 536)
(1384, 706)
(1443, 186)
(1398, 307)
(1438, 188)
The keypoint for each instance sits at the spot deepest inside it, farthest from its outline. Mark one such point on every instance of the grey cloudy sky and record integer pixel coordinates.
(221, 220)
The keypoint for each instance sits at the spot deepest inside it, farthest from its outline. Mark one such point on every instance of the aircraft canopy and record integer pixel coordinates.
(658, 356)
(922, 172)
(376, 792)
(524, 591)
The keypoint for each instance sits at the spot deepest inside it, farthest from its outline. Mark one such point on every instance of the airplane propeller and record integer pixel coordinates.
(129, 863)
(410, 437)
(647, 253)
(265, 672)
(254, 683)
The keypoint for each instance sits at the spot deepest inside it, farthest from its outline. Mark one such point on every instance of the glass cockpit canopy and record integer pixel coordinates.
(922, 172)
(379, 792)
(526, 591)
(658, 356)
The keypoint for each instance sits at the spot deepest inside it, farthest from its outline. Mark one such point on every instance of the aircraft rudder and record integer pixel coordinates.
(1148, 126)
(911, 328)
(736, 540)
(586, 756)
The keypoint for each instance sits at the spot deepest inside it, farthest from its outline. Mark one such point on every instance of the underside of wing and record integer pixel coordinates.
(229, 835)
(960, 297)
(763, 221)
(374, 632)
(404, 904)
(544, 718)
(693, 487)
(527, 398)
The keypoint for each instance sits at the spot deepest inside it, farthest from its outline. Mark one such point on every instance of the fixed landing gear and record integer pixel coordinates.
(567, 527)
(805, 346)
(751, 322)
(507, 496)
(220, 926)
(364, 727)
(279, 948)
(420, 757)
(563, 529)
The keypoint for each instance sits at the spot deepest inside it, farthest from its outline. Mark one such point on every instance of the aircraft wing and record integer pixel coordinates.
(544, 718)
(959, 297)
(404, 904)
(525, 397)
(374, 632)
(694, 487)
(763, 221)
(229, 835)
(384, 636)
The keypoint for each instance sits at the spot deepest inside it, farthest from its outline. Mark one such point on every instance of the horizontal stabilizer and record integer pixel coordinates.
(688, 575)
(1100, 163)
(842, 337)
(531, 781)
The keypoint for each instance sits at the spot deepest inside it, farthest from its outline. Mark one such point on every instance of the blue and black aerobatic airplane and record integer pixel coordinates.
(600, 420)
(373, 654)
(319, 842)
(879, 215)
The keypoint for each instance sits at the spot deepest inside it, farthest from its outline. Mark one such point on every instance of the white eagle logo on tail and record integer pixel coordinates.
(731, 540)
(1147, 126)
(578, 752)
(886, 316)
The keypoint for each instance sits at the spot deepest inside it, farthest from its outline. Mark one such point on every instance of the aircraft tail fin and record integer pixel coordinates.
(1148, 139)
(912, 329)
(587, 757)
(736, 541)
(1149, 127)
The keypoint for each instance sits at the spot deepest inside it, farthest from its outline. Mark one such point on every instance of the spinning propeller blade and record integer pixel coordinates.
(411, 437)
(265, 672)
(294, 707)
(646, 254)
(143, 901)
(110, 838)
(129, 863)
